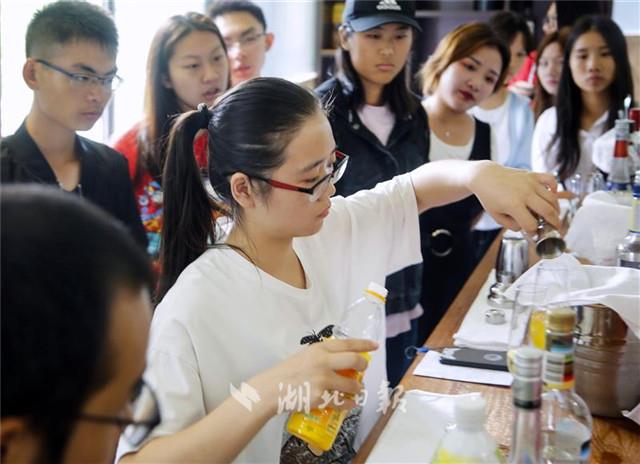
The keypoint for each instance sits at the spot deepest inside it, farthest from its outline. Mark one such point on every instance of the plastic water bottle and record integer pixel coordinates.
(363, 319)
(467, 440)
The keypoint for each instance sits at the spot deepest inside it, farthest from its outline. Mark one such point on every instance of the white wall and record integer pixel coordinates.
(293, 56)
(627, 14)
(295, 25)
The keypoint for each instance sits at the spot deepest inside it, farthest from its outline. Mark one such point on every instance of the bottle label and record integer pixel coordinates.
(618, 186)
(631, 264)
(558, 370)
(620, 149)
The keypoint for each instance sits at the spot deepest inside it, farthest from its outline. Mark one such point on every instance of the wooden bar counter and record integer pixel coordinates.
(613, 441)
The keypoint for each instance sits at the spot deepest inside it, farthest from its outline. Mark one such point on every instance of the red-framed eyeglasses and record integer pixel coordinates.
(320, 187)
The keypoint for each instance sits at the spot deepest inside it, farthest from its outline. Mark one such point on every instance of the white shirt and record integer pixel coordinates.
(440, 150)
(379, 120)
(225, 320)
(498, 119)
(544, 158)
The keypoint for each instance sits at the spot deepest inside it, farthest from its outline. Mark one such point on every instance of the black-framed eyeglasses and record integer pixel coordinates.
(320, 187)
(86, 81)
(146, 416)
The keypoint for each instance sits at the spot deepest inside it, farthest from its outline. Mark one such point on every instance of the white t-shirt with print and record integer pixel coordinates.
(544, 157)
(498, 119)
(225, 320)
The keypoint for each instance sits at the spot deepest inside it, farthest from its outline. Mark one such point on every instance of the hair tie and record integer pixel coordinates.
(204, 116)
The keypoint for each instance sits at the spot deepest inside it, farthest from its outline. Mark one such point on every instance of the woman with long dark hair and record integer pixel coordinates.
(550, 56)
(378, 120)
(595, 79)
(187, 65)
(238, 299)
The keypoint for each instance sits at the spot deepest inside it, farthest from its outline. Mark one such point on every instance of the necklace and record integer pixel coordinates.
(77, 189)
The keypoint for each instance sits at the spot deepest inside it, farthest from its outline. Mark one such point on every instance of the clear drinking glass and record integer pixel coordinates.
(527, 318)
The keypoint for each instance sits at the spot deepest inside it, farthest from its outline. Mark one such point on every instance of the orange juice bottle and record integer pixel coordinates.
(363, 319)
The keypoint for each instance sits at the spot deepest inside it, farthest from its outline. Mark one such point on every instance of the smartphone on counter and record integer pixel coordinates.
(471, 357)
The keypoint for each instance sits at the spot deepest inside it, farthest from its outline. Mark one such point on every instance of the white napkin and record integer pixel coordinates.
(615, 287)
(634, 414)
(475, 332)
(597, 228)
(413, 435)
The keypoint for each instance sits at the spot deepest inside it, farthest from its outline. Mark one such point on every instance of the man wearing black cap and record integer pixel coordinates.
(379, 122)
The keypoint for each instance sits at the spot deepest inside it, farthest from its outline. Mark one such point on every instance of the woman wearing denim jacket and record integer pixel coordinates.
(380, 124)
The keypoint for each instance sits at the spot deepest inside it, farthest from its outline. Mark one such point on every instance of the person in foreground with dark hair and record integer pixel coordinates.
(238, 300)
(71, 52)
(75, 322)
(244, 28)
(595, 79)
(371, 100)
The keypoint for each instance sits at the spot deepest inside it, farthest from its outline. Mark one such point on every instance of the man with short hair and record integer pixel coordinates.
(244, 30)
(75, 323)
(71, 52)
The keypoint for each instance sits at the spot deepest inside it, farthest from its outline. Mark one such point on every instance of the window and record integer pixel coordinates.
(293, 55)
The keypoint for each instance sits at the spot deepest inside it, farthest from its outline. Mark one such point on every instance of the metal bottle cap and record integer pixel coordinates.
(561, 320)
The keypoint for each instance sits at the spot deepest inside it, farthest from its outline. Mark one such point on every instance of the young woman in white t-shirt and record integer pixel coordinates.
(237, 300)
(469, 64)
(595, 79)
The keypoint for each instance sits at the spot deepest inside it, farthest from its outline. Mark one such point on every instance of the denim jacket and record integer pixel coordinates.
(371, 162)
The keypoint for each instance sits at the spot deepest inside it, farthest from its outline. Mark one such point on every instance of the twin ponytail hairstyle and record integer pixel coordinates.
(249, 129)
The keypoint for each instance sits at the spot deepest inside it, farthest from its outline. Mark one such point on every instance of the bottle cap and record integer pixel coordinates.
(470, 410)
(634, 115)
(561, 320)
(528, 363)
(377, 291)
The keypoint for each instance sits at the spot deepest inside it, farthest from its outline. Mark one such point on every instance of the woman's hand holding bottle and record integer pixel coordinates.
(316, 366)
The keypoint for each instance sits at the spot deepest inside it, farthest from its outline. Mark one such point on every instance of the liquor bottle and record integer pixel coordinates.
(618, 181)
(526, 390)
(629, 249)
(566, 419)
(634, 138)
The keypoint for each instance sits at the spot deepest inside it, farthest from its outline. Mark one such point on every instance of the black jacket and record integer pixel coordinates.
(371, 162)
(447, 248)
(104, 175)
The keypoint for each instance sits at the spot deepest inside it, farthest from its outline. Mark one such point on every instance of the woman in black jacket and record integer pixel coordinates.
(380, 124)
